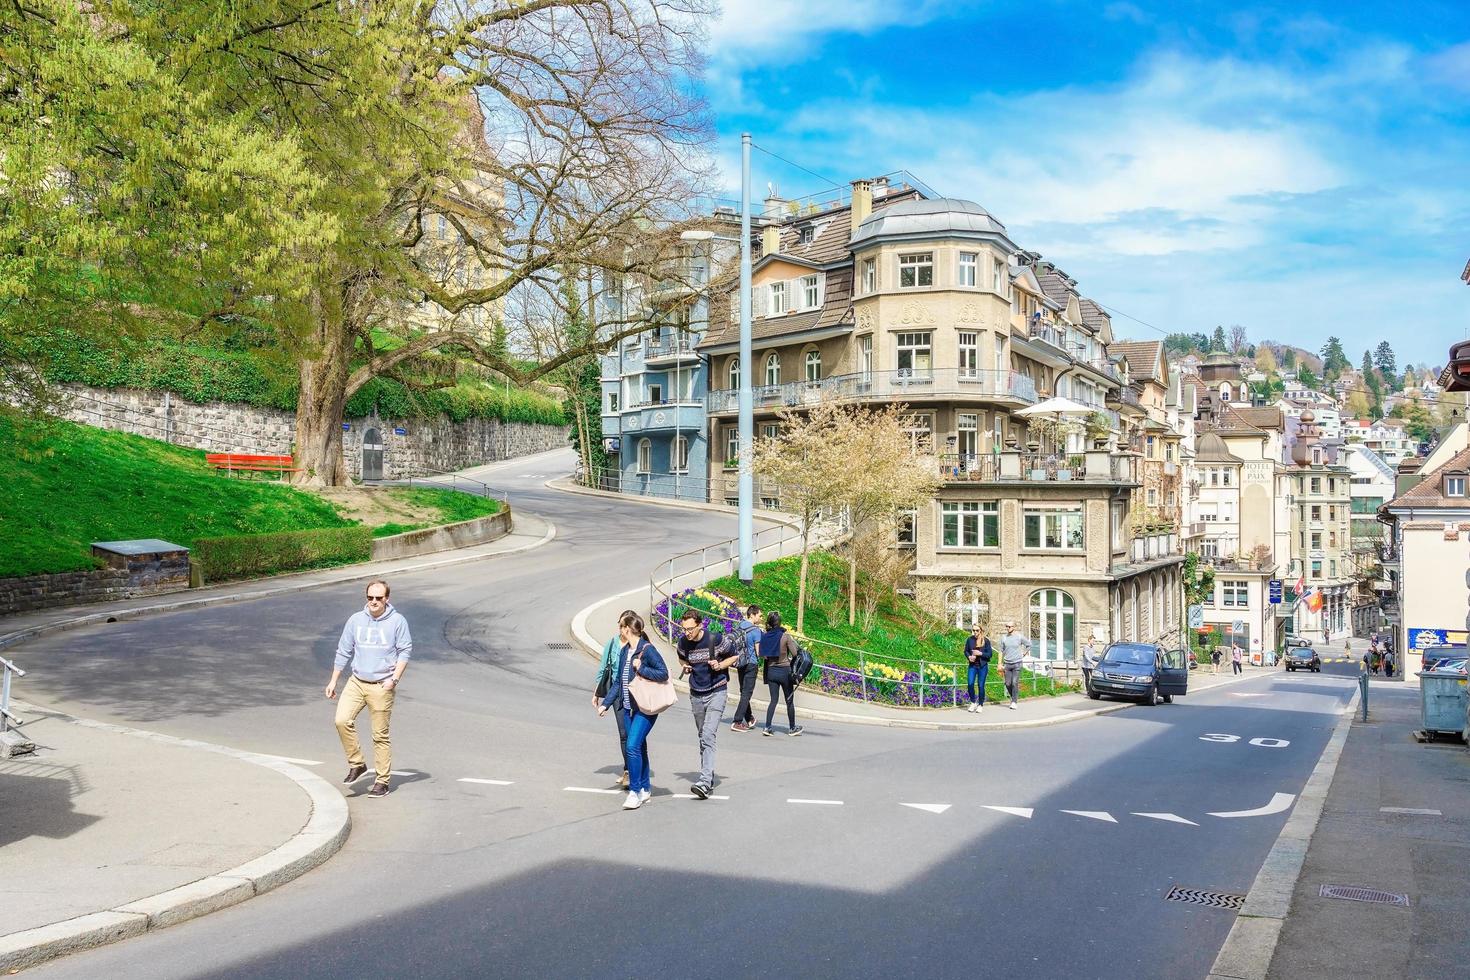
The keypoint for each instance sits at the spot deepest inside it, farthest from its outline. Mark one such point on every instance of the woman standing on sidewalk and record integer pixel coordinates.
(777, 648)
(1235, 658)
(978, 652)
(640, 657)
(605, 671)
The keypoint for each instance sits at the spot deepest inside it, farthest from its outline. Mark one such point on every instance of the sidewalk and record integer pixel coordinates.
(1361, 841)
(529, 531)
(600, 621)
(109, 832)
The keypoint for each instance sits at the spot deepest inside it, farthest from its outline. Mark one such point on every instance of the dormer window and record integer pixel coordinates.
(805, 234)
(1454, 486)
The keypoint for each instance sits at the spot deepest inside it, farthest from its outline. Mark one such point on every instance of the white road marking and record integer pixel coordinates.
(1093, 815)
(287, 758)
(1015, 811)
(691, 796)
(486, 782)
(818, 802)
(589, 789)
(1415, 811)
(403, 772)
(928, 807)
(1280, 803)
(1237, 694)
(1166, 817)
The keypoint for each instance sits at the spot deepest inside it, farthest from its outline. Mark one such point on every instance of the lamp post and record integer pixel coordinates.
(746, 399)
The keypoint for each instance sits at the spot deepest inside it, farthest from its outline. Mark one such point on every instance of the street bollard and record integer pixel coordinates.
(1363, 692)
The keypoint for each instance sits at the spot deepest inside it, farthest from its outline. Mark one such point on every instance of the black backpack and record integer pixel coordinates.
(801, 664)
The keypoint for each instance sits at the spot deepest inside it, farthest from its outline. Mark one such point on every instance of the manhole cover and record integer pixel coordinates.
(1197, 896)
(1353, 893)
(559, 646)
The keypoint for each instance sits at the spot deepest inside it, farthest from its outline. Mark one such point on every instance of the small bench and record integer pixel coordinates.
(252, 463)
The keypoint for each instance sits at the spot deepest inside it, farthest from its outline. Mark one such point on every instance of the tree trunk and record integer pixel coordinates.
(852, 580)
(320, 403)
(579, 409)
(801, 583)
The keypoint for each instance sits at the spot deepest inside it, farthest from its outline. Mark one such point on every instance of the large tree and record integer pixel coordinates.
(1383, 357)
(1334, 359)
(1217, 339)
(1237, 339)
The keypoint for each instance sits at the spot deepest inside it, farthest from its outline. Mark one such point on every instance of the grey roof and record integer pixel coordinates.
(945, 216)
(1093, 315)
(1212, 449)
(1056, 285)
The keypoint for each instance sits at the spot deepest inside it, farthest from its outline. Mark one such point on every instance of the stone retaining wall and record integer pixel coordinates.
(31, 592)
(426, 445)
(426, 541)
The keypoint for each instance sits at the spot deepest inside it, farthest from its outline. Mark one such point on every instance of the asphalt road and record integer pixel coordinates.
(813, 865)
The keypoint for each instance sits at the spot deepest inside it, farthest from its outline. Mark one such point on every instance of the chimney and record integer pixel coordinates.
(771, 238)
(775, 207)
(862, 202)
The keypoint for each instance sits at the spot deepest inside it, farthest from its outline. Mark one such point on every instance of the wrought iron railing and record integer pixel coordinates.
(901, 385)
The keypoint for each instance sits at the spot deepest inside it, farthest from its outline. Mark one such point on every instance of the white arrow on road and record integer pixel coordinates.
(1093, 814)
(1236, 694)
(928, 807)
(1280, 803)
(1015, 811)
(1166, 817)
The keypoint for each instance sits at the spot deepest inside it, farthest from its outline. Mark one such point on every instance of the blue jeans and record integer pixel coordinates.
(977, 682)
(639, 726)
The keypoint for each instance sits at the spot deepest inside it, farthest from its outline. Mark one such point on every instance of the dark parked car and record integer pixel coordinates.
(1140, 670)
(1303, 658)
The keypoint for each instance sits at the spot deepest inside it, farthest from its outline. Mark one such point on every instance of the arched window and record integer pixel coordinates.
(814, 365)
(966, 605)
(734, 373)
(1225, 392)
(645, 456)
(773, 369)
(1053, 624)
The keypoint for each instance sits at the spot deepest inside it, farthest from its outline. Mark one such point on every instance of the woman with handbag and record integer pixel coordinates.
(605, 671)
(777, 648)
(640, 688)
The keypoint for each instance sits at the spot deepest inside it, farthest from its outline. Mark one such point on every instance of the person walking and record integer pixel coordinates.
(778, 647)
(747, 668)
(707, 662)
(1215, 658)
(1236, 656)
(377, 643)
(1347, 648)
(978, 652)
(605, 670)
(1088, 659)
(1387, 664)
(1013, 650)
(635, 656)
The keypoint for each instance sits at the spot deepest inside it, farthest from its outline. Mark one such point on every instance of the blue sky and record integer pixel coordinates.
(1302, 170)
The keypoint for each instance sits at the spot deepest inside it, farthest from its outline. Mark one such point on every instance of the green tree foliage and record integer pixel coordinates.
(1418, 421)
(1383, 357)
(1179, 343)
(1334, 359)
(1217, 339)
(1288, 359)
(1305, 376)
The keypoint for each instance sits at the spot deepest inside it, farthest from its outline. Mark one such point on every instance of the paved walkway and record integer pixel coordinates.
(1396, 819)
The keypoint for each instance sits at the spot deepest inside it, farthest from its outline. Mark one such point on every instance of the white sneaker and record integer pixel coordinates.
(644, 794)
(1013, 706)
(979, 708)
(633, 802)
(971, 708)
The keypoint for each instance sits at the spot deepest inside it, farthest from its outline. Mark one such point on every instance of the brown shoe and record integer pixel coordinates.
(623, 780)
(379, 789)
(354, 773)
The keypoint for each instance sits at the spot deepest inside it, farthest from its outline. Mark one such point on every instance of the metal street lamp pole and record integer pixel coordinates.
(746, 403)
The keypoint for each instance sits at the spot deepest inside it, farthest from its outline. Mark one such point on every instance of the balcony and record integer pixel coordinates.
(1127, 401)
(1149, 547)
(1102, 366)
(664, 416)
(1014, 466)
(678, 348)
(904, 385)
(1048, 334)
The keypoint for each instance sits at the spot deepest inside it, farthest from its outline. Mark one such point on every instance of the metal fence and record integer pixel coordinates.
(447, 480)
(7, 718)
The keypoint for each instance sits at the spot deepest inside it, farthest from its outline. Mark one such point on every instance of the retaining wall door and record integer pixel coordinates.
(372, 455)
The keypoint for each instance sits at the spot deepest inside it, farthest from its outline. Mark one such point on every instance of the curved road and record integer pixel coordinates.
(812, 865)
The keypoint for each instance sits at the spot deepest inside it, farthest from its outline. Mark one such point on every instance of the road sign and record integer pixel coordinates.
(346, 426)
(1196, 617)
(400, 431)
(1238, 626)
(1274, 586)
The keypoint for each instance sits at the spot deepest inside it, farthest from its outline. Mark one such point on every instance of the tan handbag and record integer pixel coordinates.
(653, 697)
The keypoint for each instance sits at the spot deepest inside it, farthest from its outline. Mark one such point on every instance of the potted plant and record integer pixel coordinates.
(1098, 429)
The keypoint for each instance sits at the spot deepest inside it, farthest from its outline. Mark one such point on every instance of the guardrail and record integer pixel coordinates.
(435, 478)
(7, 718)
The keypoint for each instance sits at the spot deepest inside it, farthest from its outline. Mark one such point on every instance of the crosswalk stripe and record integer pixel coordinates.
(1015, 811)
(589, 789)
(1093, 815)
(691, 796)
(928, 807)
(817, 802)
(1166, 817)
(486, 782)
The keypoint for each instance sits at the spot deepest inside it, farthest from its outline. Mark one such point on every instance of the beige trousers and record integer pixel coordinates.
(354, 697)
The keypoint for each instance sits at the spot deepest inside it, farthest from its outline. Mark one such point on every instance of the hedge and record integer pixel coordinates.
(251, 555)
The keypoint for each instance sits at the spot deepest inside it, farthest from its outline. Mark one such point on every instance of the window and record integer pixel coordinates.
(814, 365)
(1316, 568)
(1214, 478)
(920, 429)
(967, 432)
(915, 352)
(870, 275)
(443, 228)
(770, 503)
(1316, 455)
(779, 300)
(1332, 567)
(773, 369)
(1054, 529)
(1234, 592)
(645, 456)
(1316, 484)
(1225, 477)
(906, 533)
(915, 269)
(1316, 540)
(969, 354)
(966, 605)
(734, 373)
(1454, 486)
(970, 524)
(809, 292)
(998, 276)
(732, 445)
(1053, 624)
(612, 401)
(681, 455)
(1316, 512)
(967, 269)
(655, 394)
(1153, 497)
(865, 357)
(805, 234)
(771, 430)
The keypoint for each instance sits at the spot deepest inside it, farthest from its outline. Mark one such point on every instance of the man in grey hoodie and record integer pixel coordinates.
(377, 643)
(1013, 649)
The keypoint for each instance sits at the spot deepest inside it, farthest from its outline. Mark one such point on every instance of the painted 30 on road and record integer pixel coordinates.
(1265, 743)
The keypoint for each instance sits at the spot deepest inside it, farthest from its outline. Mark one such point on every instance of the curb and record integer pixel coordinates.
(322, 836)
(1251, 945)
(122, 615)
(565, 484)
(592, 647)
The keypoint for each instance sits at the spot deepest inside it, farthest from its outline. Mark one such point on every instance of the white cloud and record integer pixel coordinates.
(768, 30)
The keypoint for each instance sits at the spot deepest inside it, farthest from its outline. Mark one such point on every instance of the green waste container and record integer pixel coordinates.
(1442, 701)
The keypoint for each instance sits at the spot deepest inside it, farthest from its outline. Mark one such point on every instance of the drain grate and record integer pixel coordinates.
(1198, 896)
(559, 646)
(1354, 893)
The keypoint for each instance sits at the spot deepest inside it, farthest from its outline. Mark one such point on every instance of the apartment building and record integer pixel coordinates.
(1373, 486)
(1319, 492)
(1150, 405)
(897, 297)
